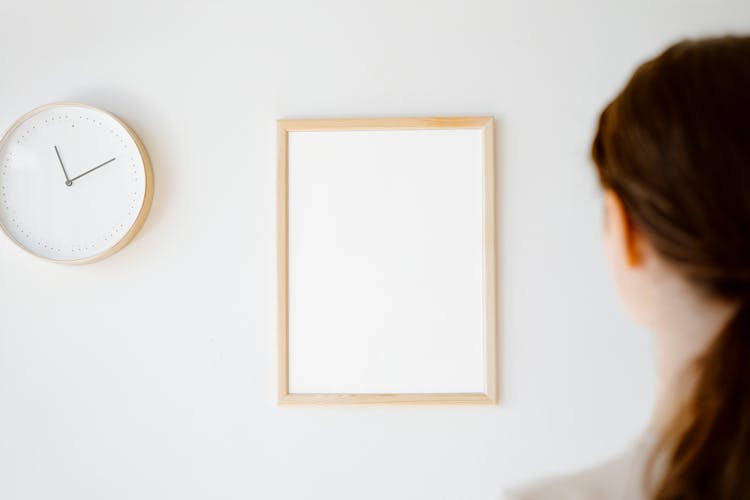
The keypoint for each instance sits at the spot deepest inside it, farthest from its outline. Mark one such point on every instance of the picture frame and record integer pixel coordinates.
(393, 295)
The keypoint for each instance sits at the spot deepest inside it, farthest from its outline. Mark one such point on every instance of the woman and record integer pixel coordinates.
(672, 153)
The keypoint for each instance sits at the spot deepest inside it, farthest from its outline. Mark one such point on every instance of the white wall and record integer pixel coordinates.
(151, 375)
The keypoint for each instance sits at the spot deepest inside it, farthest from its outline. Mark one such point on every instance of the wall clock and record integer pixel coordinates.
(75, 183)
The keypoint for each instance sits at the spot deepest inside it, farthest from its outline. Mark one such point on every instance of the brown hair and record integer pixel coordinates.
(674, 145)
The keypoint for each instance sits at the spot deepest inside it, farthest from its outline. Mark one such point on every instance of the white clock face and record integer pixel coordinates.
(72, 182)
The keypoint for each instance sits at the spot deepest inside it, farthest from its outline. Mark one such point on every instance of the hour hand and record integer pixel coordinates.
(68, 182)
(90, 170)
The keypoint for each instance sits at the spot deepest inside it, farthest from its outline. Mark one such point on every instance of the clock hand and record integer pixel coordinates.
(90, 170)
(68, 182)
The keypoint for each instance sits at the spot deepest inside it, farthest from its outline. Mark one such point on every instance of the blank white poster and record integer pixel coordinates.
(386, 261)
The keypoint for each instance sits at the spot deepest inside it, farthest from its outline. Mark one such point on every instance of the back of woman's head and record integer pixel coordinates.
(674, 146)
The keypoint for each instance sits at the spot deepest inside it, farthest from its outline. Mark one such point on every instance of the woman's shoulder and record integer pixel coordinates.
(606, 481)
(618, 478)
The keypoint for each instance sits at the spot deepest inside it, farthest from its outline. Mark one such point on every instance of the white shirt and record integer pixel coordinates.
(618, 478)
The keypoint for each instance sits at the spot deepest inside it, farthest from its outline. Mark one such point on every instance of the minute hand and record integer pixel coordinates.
(91, 170)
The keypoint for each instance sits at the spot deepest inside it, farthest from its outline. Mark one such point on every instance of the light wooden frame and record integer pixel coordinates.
(486, 124)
